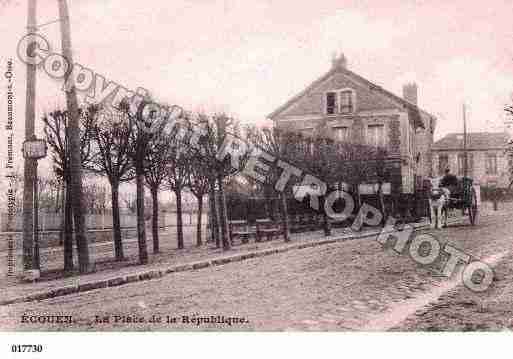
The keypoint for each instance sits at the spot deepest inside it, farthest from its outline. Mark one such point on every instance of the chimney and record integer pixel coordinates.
(410, 93)
(338, 61)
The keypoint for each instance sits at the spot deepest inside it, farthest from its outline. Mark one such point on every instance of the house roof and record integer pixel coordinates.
(475, 141)
(410, 106)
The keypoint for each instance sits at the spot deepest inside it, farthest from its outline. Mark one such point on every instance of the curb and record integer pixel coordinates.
(197, 265)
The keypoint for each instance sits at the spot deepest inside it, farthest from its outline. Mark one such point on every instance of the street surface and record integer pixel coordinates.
(352, 285)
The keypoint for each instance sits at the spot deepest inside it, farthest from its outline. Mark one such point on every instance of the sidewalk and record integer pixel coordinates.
(187, 260)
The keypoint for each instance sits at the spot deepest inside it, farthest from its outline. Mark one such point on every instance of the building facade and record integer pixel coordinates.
(487, 160)
(359, 111)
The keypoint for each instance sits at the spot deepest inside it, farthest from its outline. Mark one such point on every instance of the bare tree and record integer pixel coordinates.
(141, 135)
(199, 182)
(156, 165)
(215, 132)
(112, 136)
(320, 159)
(178, 169)
(276, 143)
(49, 193)
(208, 147)
(357, 164)
(57, 136)
(333, 163)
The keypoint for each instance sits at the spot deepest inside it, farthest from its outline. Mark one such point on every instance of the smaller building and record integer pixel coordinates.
(487, 158)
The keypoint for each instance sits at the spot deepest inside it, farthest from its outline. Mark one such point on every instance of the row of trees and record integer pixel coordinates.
(182, 156)
(117, 145)
(330, 163)
(51, 194)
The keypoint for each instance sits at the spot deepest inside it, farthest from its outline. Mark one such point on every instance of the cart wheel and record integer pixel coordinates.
(473, 209)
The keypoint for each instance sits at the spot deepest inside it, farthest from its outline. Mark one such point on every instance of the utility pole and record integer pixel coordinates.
(30, 165)
(74, 142)
(37, 260)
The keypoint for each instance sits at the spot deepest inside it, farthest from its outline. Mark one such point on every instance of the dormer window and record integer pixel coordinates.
(340, 102)
(331, 103)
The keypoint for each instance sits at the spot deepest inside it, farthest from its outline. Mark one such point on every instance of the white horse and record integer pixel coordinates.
(438, 200)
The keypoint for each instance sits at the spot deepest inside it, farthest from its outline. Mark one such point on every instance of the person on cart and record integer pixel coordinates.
(449, 182)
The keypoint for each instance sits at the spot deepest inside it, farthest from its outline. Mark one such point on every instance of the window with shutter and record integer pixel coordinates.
(346, 101)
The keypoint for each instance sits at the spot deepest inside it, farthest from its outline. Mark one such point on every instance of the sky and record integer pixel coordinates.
(247, 58)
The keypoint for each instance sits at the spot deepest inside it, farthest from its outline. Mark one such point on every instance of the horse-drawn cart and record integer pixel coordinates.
(467, 199)
(465, 196)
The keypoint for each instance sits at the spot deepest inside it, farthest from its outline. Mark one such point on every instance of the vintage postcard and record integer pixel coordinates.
(269, 166)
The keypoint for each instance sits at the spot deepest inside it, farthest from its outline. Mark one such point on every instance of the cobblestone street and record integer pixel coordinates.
(351, 285)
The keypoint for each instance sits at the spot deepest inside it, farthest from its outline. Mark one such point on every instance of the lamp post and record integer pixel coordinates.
(35, 149)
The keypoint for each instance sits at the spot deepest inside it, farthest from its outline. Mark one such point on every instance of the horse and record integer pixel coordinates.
(438, 203)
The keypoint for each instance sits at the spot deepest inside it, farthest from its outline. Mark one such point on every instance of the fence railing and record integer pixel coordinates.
(53, 221)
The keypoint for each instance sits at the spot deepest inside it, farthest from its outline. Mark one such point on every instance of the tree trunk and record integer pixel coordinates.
(141, 226)
(214, 217)
(155, 219)
(199, 241)
(62, 211)
(116, 222)
(285, 217)
(222, 215)
(179, 219)
(68, 231)
(75, 152)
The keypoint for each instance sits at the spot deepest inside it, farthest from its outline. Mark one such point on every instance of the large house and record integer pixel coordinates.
(487, 161)
(362, 112)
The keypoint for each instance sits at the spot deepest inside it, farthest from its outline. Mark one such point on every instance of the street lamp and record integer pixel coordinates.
(35, 149)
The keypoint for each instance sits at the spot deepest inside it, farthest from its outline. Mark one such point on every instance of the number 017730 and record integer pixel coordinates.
(26, 348)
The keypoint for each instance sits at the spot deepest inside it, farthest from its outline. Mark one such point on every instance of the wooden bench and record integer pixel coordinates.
(240, 229)
(268, 228)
